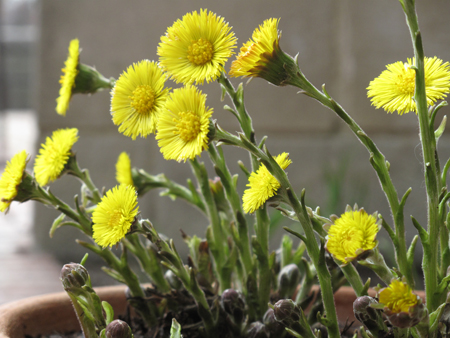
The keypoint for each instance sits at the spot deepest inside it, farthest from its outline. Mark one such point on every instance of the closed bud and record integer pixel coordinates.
(233, 304)
(362, 310)
(257, 330)
(173, 280)
(74, 275)
(286, 311)
(368, 315)
(118, 329)
(271, 324)
(288, 279)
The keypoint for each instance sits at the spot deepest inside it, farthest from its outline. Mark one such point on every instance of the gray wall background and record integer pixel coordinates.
(344, 44)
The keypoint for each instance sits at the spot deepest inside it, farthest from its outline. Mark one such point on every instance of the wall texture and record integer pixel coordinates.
(344, 44)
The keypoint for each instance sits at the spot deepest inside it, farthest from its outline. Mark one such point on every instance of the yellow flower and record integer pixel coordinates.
(262, 185)
(196, 47)
(123, 169)
(184, 125)
(394, 88)
(352, 234)
(54, 155)
(114, 215)
(253, 54)
(398, 297)
(138, 98)
(68, 78)
(11, 178)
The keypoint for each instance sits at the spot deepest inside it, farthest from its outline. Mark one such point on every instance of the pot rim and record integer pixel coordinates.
(52, 312)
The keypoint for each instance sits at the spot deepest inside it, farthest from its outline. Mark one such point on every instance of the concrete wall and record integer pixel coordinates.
(344, 44)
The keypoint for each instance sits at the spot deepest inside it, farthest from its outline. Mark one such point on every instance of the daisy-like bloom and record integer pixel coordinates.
(114, 215)
(402, 307)
(394, 89)
(352, 234)
(54, 154)
(138, 98)
(123, 169)
(11, 179)
(196, 48)
(68, 78)
(263, 185)
(184, 125)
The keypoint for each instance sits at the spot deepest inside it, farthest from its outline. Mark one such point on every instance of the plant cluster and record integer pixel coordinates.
(232, 285)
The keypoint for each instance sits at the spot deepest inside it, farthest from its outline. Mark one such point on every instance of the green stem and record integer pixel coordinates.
(354, 279)
(85, 223)
(83, 175)
(432, 179)
(302, 215)
(148, 260)
(235, 202)
(220, 253)
(145, 182)
(264, 272)
(378, 162)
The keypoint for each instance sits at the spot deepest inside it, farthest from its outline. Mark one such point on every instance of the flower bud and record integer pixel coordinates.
(233, 304)
(173, 280)
(118, 329)
(257, 330)
(271, 324)
(74, 275)
(288, 279)
(368, 315)
(286, 312)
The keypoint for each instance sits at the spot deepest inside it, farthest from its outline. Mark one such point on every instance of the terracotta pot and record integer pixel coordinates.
(51, 313)
(54, 313)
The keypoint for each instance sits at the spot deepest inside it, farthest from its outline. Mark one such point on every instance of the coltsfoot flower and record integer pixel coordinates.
(402, 307)
(352, 234)
(54, 155)
(394, 89)
(196, 48)
(262, 185)
(11, 179)
(261, 56)
(184, 125)
(114, 215)
(123, 169)
(67, 80)
(138, 98)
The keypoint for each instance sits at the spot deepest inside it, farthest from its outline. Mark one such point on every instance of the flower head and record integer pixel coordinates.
(262, 185)
(54, 155)
(398, 297)
(352, 234)
(138, 98)
(195, 48)
(114, 215)
(402, 307)
(184, 125)
(394, 89)
(123, 169)
(11, 179)
(68, 78)
(261, 56)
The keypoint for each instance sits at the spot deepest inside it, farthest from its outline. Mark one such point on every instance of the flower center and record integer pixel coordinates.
(200, 52)
(406, 81)
(115, 219)
(188, 126)
(143, 99)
